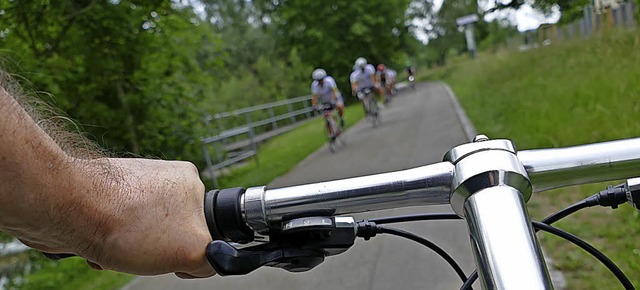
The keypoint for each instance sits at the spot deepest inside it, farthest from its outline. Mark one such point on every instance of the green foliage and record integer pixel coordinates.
(71, 273)
(129, 73)
(332, 34)
(280, 154)
(139, 76)
(493, 35)
(561, 95)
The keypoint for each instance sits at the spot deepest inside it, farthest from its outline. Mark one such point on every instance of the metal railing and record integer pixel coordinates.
(250, 126)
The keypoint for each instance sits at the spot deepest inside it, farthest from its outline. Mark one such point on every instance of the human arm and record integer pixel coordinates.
(130, 215)
(334, 93)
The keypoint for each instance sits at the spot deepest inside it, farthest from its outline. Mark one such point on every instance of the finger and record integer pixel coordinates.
(43, 248)
(184, 275)
(202, 272)
(94, 265)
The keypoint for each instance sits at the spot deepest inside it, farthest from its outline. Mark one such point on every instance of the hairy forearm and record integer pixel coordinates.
(29, 160)
(133, 215)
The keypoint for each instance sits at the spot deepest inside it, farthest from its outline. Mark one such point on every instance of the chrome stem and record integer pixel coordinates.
(503, 242)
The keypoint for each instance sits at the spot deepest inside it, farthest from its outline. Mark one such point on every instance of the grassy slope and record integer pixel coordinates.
(561, 95)
(279, 155)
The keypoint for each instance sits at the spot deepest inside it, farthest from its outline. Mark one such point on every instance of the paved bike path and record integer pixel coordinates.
(417, 128)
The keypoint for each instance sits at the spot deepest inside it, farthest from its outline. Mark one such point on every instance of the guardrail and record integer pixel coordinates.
(252, 125)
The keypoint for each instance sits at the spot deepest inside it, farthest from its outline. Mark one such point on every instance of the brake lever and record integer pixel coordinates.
(302, 245)
(227, 260)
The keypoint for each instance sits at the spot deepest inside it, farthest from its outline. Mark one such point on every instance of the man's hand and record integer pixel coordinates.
(131, 215)
(137, 216)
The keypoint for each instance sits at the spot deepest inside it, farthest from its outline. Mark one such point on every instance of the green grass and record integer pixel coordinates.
(565, 94)
(69, 274)
(280, 154)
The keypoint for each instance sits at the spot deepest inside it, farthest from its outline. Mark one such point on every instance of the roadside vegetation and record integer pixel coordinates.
(70, 274)
(138, 78)
(564, 94)
(279, 155)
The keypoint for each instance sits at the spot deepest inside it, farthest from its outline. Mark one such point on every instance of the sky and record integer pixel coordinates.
(527, 18)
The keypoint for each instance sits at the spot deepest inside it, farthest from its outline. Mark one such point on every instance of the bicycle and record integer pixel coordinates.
(295, 228)
(333, 131)
(412, 80)
(371, 107)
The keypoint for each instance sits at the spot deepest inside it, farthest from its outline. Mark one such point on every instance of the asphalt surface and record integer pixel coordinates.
(417, 128)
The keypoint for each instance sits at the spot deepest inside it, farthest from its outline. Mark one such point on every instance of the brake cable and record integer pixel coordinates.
(612, 196)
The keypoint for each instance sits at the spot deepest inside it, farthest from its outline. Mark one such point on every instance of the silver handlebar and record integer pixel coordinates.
(265, 208)
(432, 184)
(560, 167)
(486, 182)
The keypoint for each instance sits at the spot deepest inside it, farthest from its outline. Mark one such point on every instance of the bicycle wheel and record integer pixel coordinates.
(331, 133)
(374, 112)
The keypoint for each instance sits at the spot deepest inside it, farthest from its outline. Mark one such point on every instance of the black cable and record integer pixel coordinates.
(415, 217)
(544, 225)
(539, 226)
(590, 249)
(567, 211)
(467, 284)
(428, 244)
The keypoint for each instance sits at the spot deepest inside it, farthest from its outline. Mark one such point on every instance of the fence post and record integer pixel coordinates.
(210, 169)
(292, 118)
(582, 27)
(308, 113)
(252, 136)
(220, 127)
(274, 123)
(586, 20)
(628, 11)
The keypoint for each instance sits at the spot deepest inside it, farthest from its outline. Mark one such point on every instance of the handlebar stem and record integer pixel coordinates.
(504, 245)
(483, 164)
(490, 187)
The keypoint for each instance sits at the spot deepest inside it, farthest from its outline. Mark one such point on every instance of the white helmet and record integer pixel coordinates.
(361, 62)
(318, 74)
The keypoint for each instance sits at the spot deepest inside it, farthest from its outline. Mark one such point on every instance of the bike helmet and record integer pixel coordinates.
(361, 62)
(318, 74)
(380, 67)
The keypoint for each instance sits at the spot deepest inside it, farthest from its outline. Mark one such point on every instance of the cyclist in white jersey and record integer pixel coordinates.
(391, 80)
(325, 89)
(363, 76)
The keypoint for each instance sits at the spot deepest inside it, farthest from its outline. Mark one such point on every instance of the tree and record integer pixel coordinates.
(569, 9)
(332, 34)
(128, 71)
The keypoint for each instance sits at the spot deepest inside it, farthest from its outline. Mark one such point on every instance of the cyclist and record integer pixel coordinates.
(391, 79)
(324, 88)
(410, 70)
(385, 77)
(133, 215)
(362, 77)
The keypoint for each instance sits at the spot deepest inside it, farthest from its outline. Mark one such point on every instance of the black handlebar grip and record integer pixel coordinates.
(209, 213)
(224, 215)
